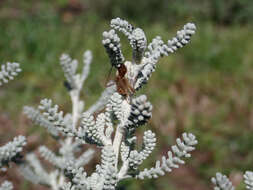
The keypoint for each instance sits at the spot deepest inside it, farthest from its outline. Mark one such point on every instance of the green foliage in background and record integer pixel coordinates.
(219, 11)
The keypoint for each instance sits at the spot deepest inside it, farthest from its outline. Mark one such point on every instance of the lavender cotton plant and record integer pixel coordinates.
(111, 122)
(52, 120)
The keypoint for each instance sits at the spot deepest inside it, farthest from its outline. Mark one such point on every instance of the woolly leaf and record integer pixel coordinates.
(11, 151)
(248, 179)
(8, 71)
(174, 158)
(111, 42)
(6, 185)
(221, 182)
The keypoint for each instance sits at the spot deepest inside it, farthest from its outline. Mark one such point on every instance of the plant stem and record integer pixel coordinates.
(117, 142)
(123, 170)
(74, 94)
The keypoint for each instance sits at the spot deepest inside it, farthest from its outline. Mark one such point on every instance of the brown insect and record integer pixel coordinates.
(123, 86)
(95, 114)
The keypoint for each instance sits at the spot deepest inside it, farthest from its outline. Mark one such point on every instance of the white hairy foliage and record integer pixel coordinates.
(141, 112)
(9, 151)
(111, 41)
(248, 180)
(179, 151)
(53, 115)
(8, 71)
(6, 185)
(221, 182)
(114, 111)
(69, 68)
(34, 172)
(64, 127)
(51, 157)
(87, 59)
(122, 26)
(111, 122)
(120, 107)
(85, 157)
(35, 116)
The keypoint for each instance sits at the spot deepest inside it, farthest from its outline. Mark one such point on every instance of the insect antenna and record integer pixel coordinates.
(108, 76)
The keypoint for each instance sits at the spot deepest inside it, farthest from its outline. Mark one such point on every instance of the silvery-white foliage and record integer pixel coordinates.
(138, 42)
(51, 112)
(11, 150)
(111, 122)
(111, 41)
(85, 158)
(147, 55)
(62, 126)
(76, 174)
(6, 185)
(248, 180)
(179, 151)
(108, 170)
(54, 116)
(141, 112)
(124, 151)
(157, 48)
(51, 157)
(222, 182)
(69, 67)
(149, 142)
(121, 107)
(136, 37)
(8, 71)
(35, 116)
(34, 171)
(136, 158)
(91, 130)
(87, 59)
(122, 26)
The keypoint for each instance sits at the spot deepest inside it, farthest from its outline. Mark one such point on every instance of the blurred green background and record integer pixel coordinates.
(205, 88)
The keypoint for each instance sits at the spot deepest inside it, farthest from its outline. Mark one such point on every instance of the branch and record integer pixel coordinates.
(85, 158)
(56, 117)
(33, 171)
(157, 49)
(51, 157)
(179, 151)
(87, 59)
(69, 68)
(40, 120)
